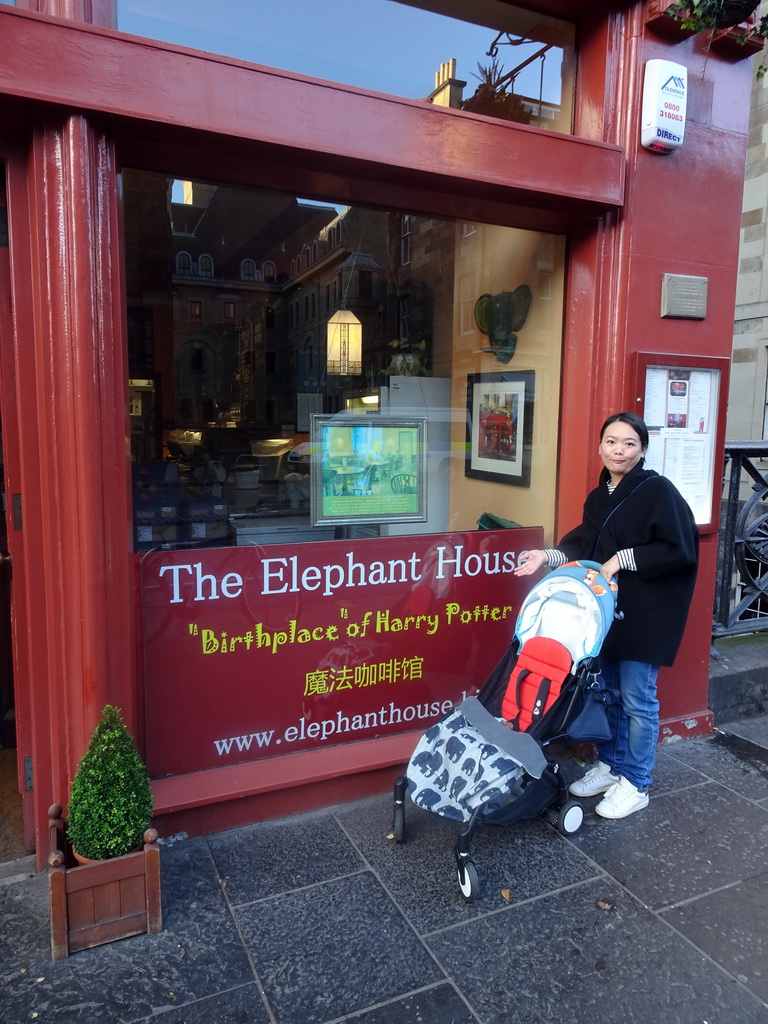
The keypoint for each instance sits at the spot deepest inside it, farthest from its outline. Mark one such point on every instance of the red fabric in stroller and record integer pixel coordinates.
(542, 666)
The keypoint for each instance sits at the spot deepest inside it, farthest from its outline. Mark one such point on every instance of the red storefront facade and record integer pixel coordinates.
(82, 103)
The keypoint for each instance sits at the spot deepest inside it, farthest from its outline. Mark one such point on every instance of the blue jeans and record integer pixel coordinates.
(634, 720)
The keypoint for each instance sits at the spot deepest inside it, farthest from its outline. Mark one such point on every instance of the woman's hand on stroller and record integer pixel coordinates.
(531, 562)
(610, 568)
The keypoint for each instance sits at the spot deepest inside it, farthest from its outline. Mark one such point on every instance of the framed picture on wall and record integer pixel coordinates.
(500, 426)
(368, 469)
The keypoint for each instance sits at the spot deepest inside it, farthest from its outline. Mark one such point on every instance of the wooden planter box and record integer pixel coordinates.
(663, 24)
(729, 42)
(102, 901)
(732, 42)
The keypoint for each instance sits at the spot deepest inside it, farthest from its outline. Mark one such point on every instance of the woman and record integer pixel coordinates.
(639, 527)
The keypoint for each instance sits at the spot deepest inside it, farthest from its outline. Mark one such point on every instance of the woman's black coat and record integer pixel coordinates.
(647, 513)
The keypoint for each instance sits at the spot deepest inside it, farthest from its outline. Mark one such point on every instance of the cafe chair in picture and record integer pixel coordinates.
(364, 483)
(391, 465)
(331, 482)
(404, 483)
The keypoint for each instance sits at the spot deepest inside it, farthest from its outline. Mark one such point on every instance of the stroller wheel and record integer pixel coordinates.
(398, 823)
(570, 818)
(468, 880)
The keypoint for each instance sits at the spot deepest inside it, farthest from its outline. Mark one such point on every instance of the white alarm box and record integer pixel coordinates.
(665, 90)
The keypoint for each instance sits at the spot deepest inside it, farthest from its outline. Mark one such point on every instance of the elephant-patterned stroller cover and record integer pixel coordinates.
(469, 761)
(487, 755)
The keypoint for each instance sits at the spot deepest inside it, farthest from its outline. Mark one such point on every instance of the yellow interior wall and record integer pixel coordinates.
(491, 260)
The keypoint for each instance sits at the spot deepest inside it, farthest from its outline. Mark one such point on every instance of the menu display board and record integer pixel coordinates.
(681, 410)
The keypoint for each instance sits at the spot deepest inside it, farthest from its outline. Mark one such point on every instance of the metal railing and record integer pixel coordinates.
(741, 591)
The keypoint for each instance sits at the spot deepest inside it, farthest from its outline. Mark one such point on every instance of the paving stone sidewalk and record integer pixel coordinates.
(322, 918)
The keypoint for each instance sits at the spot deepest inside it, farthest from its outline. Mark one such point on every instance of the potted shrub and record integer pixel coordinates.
(408, 358)
(115, 892)
(110, 805)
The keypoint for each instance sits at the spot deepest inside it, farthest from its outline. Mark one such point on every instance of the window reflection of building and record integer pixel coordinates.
(343, 267)
(230, 299)
(534, 54)
(512, 79)
(405, 240)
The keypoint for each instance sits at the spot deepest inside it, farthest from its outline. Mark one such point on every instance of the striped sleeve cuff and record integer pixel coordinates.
(555, 558)
(626, 559)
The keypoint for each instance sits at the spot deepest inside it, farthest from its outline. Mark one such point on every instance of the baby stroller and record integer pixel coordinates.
(471, 768)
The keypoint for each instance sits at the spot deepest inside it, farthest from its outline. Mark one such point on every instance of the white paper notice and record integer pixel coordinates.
(681, 415)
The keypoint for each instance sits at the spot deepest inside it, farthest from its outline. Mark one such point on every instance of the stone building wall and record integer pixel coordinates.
(749, 372)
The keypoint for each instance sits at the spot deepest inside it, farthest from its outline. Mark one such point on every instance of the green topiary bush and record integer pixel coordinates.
(110, 804)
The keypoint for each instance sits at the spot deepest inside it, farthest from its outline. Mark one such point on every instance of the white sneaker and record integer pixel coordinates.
(621, 799)
(597, 780)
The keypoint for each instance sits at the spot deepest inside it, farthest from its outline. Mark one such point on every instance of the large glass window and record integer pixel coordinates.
(487, 57)
(232, 372)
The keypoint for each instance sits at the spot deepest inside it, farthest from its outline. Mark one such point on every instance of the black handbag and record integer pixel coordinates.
(590, 725)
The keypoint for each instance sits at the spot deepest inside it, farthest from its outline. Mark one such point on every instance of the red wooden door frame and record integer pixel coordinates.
(65, 415)
(19, 655)
(320, 139)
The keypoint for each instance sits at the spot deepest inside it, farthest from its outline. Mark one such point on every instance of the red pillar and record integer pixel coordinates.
(77, 572)
(670, 223)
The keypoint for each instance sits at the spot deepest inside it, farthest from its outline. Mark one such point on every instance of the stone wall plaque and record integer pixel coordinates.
(684, 297)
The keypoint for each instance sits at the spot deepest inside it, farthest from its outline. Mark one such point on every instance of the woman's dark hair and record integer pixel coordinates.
(632, 420)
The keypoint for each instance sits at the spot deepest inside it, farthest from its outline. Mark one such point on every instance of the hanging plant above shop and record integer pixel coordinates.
(701, 15)
(713, 16)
